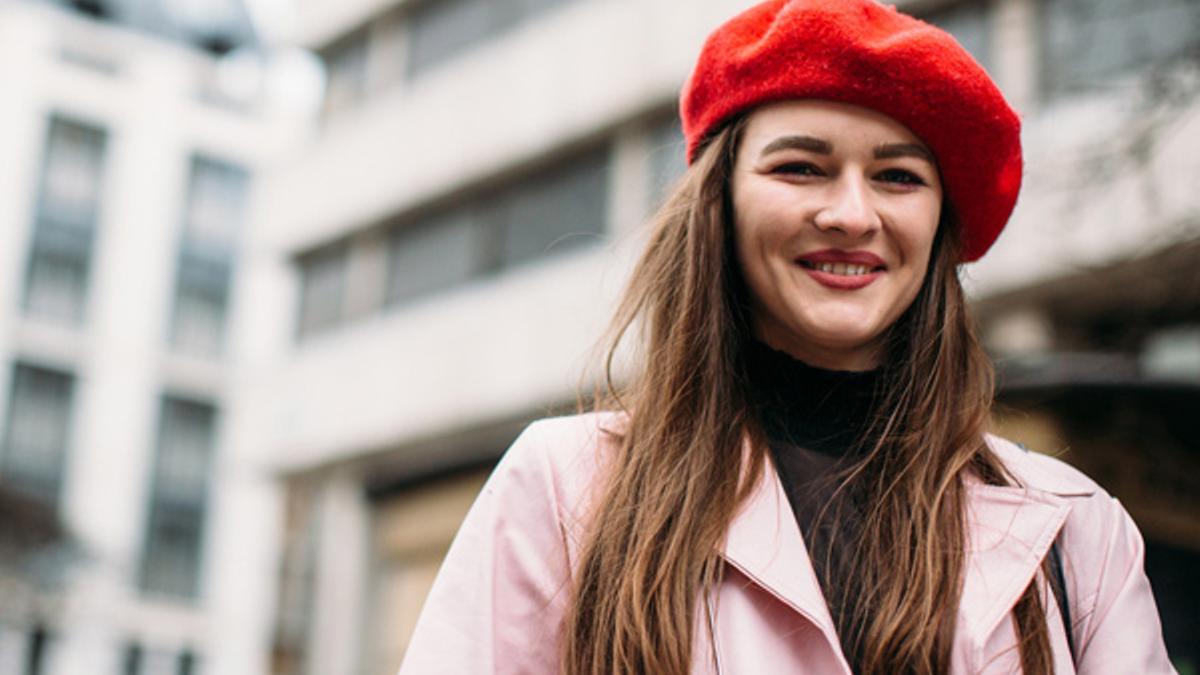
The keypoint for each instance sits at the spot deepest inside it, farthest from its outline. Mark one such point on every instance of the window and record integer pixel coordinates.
(89, 57)
(140, 661)
(37, 431)
(561, 207)
(37, 651)
(967, 22)
(411, 530)
(297, 576)
(56, 277)
(443, 28)
(31, 650)
(186, 663)
(212, 218)
(553, 211)
(346, 72)
(441, 252)
(1085, 42)
(178, 501)
(322, 287)
(132, 661)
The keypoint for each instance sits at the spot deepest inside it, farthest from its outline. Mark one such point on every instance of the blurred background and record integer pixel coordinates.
(281, 279)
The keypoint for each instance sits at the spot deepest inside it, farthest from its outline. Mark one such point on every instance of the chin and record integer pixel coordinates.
(846, 342)
(848, 332)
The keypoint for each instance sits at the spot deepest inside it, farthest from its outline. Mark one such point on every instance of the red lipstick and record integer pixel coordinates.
(831, 268)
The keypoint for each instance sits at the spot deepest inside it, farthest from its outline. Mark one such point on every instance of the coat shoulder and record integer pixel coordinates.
(563, 456)
(1115, 620)
(569, 444)
(1042, 472)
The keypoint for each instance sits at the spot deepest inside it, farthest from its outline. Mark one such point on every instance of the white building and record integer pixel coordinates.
(127, 281)
(464, 220)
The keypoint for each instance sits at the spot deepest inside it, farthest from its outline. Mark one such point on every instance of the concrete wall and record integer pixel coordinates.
(150, 106)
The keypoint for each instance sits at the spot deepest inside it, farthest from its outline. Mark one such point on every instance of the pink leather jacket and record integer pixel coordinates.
(497, 604)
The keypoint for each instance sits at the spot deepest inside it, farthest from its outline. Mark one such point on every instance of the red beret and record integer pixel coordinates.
(864, 53)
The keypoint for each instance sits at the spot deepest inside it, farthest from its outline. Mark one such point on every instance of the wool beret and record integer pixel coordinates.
(867, 54)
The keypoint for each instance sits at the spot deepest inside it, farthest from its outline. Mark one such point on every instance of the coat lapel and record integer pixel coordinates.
(1010, 530)
(764, 543)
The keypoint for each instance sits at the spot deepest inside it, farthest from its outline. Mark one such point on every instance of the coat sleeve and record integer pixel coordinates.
(1121, 633)
(498, 602)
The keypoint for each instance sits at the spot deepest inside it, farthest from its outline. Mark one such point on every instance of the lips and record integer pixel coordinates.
(842, 270)
(835, 256)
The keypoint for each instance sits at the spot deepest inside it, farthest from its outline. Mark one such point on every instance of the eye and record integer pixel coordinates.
(798, 169)
(900, 176)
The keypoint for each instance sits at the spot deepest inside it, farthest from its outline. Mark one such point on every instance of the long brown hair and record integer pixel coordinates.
(678, 471)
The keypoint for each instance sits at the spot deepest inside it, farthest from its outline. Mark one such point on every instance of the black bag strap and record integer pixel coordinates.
(1058, 585)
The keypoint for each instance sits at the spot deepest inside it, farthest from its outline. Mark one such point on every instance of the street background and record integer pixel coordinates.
(281, 279)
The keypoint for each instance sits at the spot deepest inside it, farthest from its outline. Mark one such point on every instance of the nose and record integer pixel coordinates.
(849, 208)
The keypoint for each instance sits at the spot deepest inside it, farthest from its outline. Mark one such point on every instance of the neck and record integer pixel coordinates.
(825, 410)
(858, 359)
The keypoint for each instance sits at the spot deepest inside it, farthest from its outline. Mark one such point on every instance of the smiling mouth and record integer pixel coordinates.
(841, 269)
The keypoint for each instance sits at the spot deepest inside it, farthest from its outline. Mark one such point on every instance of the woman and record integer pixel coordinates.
(796, 478)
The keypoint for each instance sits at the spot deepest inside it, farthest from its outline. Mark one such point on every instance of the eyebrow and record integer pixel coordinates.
(824, 147)
(894, 150)
(809, 143)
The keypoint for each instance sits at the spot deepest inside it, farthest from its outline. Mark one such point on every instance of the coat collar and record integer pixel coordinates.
(764, 544)
(1010, 531)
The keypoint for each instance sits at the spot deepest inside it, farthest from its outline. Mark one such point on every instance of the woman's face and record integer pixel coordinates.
(835, 210)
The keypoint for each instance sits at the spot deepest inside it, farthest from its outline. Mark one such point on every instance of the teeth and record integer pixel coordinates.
(843, 269)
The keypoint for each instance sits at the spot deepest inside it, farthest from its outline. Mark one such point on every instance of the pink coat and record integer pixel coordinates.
(497, 604)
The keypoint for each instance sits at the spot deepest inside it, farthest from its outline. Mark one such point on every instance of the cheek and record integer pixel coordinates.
(747, 249)
(920, 230)
(757, 242)
(761, 221)
(919, 250)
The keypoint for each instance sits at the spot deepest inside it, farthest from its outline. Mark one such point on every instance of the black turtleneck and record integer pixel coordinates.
(814, 419)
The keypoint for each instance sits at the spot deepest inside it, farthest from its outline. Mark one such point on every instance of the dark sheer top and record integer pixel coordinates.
(814, 419)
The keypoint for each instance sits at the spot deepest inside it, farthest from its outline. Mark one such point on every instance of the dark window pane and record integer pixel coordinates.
(216, 201)
(441, 29)
(68, 197)
(71, 172)
(56, 285)
(201, 296)
(1086, 42)
(132, 662)
(172, 559)
(346, 70)
(175, 527)
(559, 208)
(185, 446)
(322, 284)
(556, 210)
(186, 663)
(212, 219)
(36, 434)
(432, 255)
(35, 655)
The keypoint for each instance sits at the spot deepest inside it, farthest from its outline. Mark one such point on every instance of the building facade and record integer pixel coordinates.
(462, 224)
(126, 277)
